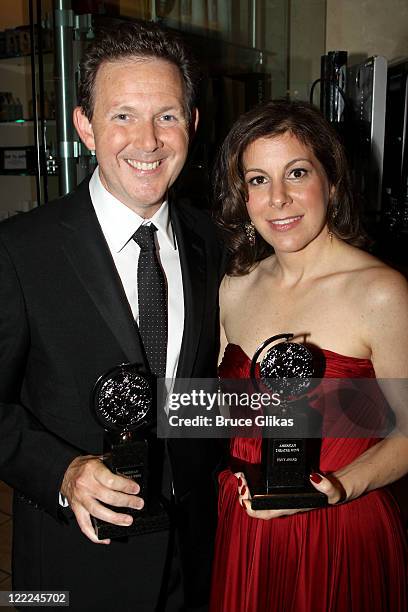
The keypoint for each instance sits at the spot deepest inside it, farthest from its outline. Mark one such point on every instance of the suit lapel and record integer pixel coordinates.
(192, 260)
(86, 249)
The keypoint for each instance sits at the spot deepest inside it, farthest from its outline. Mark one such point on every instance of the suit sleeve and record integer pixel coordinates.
(32, 459)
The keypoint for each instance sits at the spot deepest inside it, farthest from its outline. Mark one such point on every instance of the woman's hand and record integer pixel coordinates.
(329, 485)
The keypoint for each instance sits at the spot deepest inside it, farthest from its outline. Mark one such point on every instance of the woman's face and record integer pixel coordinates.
(288, 192)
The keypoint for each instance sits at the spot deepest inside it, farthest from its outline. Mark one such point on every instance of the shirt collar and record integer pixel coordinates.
(119, 222)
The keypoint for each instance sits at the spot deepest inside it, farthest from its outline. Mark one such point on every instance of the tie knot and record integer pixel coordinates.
(144, 237)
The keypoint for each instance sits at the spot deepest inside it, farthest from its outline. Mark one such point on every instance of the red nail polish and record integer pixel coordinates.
(315, 477)
(239, 482)
(243, 490)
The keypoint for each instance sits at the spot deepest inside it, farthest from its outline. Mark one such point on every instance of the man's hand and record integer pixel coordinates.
(87, 482)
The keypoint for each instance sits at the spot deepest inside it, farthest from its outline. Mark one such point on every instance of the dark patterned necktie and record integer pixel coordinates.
(152, 298)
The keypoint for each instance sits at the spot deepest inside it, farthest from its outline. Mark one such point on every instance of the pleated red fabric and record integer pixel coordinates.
(347, 558)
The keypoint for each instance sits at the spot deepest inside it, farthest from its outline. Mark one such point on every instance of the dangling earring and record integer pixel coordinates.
(333, 214)
(250, 232)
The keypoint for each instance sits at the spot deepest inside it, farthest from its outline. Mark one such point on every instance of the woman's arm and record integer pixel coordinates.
(384, 326)
(384, 323)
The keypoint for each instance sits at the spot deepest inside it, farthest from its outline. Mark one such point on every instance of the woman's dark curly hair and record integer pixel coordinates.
(268, 120)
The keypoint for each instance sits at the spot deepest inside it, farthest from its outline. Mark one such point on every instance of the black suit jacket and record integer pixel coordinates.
(64, 320)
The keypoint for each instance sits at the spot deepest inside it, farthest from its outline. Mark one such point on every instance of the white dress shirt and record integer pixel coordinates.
(119, 223)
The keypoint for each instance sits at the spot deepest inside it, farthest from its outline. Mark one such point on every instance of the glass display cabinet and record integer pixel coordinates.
(242, 46)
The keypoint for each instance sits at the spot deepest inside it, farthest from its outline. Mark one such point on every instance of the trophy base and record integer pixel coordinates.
(286, 498)
(149, 520)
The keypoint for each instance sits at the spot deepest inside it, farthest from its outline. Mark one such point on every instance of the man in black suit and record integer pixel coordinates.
(69, 311)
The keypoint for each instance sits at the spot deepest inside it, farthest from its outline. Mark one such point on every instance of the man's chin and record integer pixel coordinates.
(143, 209)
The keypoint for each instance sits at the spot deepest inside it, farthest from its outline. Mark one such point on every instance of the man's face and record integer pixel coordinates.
(139, 130)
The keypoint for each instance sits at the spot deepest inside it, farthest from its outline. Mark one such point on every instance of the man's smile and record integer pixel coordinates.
(143, 165)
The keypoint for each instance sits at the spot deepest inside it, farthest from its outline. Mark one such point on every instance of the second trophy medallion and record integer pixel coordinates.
(282, 480)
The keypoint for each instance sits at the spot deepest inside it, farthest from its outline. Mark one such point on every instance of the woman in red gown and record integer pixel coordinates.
(287, 211)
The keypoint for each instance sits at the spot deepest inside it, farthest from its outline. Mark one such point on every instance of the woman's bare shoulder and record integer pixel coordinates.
(383, 304)
(233, 287)
(379, 294)
(385, 287)
(374, 278)
(369, 274)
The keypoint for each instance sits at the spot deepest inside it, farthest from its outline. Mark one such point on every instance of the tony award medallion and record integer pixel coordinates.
(282, 479)
(123, 404)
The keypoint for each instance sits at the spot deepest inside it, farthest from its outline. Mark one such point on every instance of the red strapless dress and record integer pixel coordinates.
(347, 558)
